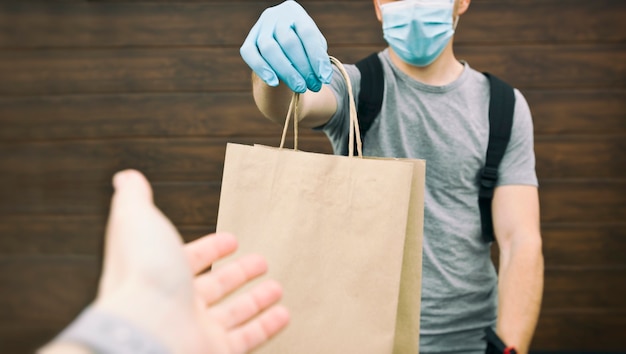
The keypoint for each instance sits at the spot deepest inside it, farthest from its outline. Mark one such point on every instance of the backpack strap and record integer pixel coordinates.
(371, 93)
(501, 109)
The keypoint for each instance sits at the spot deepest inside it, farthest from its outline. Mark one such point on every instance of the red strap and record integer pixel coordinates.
(509, 350)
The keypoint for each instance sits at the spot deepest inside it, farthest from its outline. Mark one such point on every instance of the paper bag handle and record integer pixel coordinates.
(354, 122)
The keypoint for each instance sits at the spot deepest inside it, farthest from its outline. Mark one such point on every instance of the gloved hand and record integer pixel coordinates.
(286, 44)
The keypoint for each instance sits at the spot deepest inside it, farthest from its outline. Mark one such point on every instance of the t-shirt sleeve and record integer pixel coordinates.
(518, 163)
(337, 127)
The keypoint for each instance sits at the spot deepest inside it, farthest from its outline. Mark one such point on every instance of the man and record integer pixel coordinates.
(154, 296)
(435, 108)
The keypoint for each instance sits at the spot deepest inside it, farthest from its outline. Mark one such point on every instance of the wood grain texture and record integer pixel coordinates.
(581, 331)
(565, 246)
(89, 88)
(579, 112)
(49, 301)
(201, 159)
(34, 118)
(196, 203)
(131, 24)
(67, 235)
(132, 70)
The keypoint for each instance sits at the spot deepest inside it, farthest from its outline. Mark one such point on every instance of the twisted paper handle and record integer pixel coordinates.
(354, 122)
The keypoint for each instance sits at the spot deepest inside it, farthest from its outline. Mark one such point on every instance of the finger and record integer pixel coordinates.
(215, 285)
(251, 55)
(272, 52)
(202, 252)
(316, 47)
(293, 48)
(132, 195)
(248, 305)
(131, 188)
(259, 330)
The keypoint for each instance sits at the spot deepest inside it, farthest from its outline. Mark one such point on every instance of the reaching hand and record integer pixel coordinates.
(152, 280)
(286, 44)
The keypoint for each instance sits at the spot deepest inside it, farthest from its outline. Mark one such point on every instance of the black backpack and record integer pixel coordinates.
(501, 107)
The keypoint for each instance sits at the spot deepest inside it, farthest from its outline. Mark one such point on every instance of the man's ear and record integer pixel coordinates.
(378, 13)
(462, 6)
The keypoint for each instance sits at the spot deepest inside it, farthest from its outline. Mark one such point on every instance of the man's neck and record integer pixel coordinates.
(443, 71)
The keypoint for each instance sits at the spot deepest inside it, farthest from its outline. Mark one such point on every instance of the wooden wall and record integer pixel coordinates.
(89, 88)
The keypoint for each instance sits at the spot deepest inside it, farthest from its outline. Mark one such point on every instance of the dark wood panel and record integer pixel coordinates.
(598, 157)
(163, 159)
(584, 245)
(585, 331)
(583, 201)
(201, 159)
(105, 24)
(33, 235)
(578, 112)
(584, 289)
(574, 245)
(222, 69)
(26, 340)
(46, 290)
(235, 114)
(51, 290)
(551, 66)
(153, 115)
(542, 21)
(197, 203)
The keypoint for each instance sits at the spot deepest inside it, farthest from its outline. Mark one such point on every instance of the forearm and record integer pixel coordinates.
(273, 102)
(314, 108)
(520, 290)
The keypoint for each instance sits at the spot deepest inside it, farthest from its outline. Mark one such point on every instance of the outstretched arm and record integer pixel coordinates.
(156, 287)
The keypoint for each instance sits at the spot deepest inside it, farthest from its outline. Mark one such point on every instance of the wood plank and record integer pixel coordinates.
(235, 114)
(584, 245)
(26, 340)
(582, 201)
(164, 159)
(573, 290)
(67, 235)
(123, 24)
(598, 112)
(196, 203)
(52, 290)
(222, 69)
(551, 66)
(201, 159)
(576, 245)
(579, 332)
(151, 115)
(581, 157)
(46, 290)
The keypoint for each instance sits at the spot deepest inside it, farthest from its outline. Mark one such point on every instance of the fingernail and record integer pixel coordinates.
(299, 85)
(270, 78)
(313, 83)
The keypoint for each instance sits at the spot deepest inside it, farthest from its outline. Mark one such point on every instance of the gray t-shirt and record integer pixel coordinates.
(448, 126)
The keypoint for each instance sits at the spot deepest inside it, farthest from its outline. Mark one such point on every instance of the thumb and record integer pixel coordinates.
(132, 189)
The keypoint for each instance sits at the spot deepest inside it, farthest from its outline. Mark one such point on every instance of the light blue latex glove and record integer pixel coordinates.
(286, 44)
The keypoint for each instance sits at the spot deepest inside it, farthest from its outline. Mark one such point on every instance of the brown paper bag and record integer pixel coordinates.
(343, 235)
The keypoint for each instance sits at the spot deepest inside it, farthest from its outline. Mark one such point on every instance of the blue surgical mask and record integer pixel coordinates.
(418, 30)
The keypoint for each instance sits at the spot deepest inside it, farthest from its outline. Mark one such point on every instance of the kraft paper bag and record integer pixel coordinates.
(343, 235)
